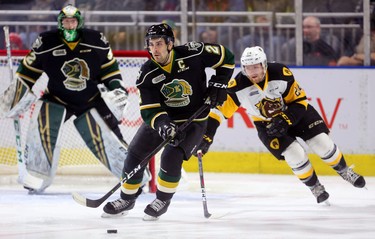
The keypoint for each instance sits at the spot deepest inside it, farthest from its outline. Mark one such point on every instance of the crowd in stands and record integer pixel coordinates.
(321, 45)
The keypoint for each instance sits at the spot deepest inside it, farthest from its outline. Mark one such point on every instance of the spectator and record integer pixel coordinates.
(219, 34)
(357, 59)
(260, 36)
(316, 50)
(119, 36)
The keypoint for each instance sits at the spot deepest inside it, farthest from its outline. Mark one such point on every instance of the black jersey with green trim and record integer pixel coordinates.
(271, 96)
(73, 69)
(181, 87)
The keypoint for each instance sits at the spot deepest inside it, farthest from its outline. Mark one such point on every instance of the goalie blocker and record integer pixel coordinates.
(42, 150)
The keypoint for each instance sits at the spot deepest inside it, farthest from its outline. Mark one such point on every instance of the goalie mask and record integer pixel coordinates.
(159, 31)
(70, 12)
(252, 56)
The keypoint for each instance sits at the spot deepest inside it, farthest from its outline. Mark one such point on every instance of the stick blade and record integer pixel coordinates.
(79, 199)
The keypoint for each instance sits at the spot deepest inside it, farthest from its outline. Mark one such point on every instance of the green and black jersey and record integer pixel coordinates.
(73, 68)
(179, 88)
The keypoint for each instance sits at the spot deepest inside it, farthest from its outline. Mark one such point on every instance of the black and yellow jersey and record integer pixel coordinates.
(74, 69)
(277, 92)
(179, 88)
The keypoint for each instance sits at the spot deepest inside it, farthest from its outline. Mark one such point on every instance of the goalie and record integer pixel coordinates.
(83, 80)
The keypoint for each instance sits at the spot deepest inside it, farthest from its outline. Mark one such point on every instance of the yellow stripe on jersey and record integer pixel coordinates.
(296, 94)
(228, 108)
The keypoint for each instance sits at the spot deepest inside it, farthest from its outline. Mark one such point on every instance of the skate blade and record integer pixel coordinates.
(121, 214)
(149, 218)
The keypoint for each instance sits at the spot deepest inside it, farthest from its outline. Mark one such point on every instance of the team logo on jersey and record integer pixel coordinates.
(158, 79)
(287, 72)
(60, 52)
(177, 93)
(232, 83)
(274, 144)
(38, 42)
(193, 46)
(103, 38)
(269, 107)
(77, 73)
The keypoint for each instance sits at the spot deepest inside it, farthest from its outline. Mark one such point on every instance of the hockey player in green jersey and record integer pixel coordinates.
(280, 111)
(77, 62)
(172, 86)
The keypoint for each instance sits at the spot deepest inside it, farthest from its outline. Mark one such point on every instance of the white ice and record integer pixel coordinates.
(244, 206)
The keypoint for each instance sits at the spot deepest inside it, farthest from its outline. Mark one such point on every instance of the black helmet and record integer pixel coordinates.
(159, 31)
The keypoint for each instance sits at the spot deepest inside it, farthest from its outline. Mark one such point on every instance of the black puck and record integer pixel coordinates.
(111, 231)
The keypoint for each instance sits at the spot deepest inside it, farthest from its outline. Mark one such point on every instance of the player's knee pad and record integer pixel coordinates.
(323, 146)
(297, 159)
(42, 150)
(102, 142)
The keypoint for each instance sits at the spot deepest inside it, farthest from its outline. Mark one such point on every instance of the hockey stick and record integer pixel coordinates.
(203, 188)
(16, 121)
(97, 202)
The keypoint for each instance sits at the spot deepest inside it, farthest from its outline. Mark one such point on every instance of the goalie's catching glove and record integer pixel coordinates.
(116, 100)
(279, 125)
(217, 90)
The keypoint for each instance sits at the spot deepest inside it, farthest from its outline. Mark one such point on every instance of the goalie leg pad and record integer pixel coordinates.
(16, 99)
(102, 142)
(42, 150)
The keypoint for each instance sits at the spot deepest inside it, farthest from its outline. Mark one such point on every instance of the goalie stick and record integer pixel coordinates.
(94, 203)
(16, 120)
(203, 188)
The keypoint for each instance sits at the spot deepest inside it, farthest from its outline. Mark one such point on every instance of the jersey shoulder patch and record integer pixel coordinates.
(232, 83)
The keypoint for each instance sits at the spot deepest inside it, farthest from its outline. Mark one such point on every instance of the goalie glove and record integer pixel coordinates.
(116, 100)
(13, 103)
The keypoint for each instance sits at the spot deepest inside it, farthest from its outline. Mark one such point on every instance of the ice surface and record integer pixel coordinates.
(243, 206)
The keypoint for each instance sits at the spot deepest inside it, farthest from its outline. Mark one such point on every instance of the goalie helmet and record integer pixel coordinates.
(70, 12)
(159, 31)
(252, 56)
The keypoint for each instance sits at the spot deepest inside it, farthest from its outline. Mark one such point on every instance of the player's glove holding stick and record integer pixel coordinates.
(279, 125)
(217, 90)
(167, 128)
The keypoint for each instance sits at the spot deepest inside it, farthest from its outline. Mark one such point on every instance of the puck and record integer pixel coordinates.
(111, 231)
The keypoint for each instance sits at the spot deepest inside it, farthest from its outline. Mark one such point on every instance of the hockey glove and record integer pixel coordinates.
(217, 90)
(208, 137)
(116, 100)
(279, 125)
(170, 129)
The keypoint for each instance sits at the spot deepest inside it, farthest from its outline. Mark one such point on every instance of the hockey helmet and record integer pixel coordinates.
(159, 31)
(252, 56)
(70, 12)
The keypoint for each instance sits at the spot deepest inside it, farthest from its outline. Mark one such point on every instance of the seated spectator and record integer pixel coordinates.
(316, 50)
(357, 59)
(260, 36)
(215, 34)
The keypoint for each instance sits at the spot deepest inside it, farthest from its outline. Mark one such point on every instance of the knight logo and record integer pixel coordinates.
(193, 46)
(158, 79)
(177, 93)
(60, 52)
(77, 73)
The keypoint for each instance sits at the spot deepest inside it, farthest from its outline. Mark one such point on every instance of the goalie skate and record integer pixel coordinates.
(155, 209)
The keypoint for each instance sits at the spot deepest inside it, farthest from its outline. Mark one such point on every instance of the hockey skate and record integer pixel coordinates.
(120, 207)
(320, 193)
(155, 209)
(353, 178)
